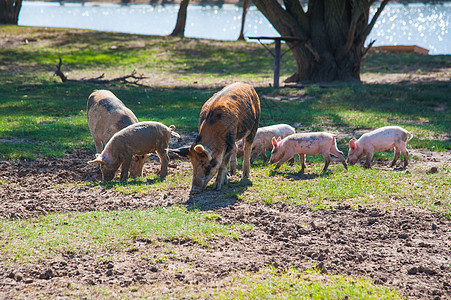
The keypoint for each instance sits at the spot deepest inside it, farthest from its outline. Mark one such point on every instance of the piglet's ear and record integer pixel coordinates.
(274, 142)
(352, 143)
(278, 139)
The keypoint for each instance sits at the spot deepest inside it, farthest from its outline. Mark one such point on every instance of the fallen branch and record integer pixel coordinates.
(100, 79)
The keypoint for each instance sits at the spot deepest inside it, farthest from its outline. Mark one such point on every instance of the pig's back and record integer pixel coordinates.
(145, 136)
(107, 115)
(387, 132)
(233, 110)
(310, 142)
(265, 134)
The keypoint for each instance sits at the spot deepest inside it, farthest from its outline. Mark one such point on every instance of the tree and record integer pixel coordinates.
(179, 29)
(9, 11)
(246, 4)
(335, 32)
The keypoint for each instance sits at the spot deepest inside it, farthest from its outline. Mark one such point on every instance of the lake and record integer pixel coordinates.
(415, 24)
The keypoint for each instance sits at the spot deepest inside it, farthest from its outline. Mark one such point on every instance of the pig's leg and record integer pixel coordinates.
(402, 148)
(326, 157)
(265, 158)
(369, 157)
(340, 155)
(406, 158)
(247, 158)
(164, 159)
(284, 159)
(255, 154)
(395, 159)
(99, 146)
(125, 167)
(221, 178)
(232, 162)
(302, 159)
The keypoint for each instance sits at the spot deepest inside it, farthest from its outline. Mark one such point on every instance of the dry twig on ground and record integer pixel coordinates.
(100, 79)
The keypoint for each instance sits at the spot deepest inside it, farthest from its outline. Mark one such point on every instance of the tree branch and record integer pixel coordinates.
(59, 73)
(314, 53)
(99, 79)
(294, 8)
(365, 52)
(370, 26)
(282, 21)
(350, 39)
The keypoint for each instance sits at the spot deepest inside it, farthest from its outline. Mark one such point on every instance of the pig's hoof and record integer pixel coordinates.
(217, 186)
(195, 190)
(327, 172)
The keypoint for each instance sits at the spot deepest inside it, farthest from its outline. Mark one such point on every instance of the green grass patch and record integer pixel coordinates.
(45, 236)
(295, 284)
(357, 186)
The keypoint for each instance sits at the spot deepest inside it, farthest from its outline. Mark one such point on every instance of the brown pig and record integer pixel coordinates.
(137, 139)
(106, 116)
(384, 138)
(263, 140)
(306, 143)
(230, 115)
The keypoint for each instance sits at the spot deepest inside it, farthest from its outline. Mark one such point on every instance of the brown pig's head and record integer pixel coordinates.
(108, 166)
(204, 165)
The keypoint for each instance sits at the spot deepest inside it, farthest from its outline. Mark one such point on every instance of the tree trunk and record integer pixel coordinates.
(335, 32)
(9, 11)
(246, 4)
(179, 29)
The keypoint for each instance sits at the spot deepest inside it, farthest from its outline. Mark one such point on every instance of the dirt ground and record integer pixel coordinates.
(407, 249)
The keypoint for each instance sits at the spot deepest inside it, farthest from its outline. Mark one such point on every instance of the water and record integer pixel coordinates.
(415, 24)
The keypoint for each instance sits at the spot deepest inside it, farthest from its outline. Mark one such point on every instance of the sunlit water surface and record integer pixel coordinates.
(414, 24)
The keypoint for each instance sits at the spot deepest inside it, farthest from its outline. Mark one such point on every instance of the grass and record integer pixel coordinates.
(357, 186)
(294, 284)
(46, 236)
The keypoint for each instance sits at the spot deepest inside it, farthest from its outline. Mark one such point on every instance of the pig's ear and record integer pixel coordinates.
(274, 142)
(352, 143)
(98, 160)
(183, 151)
(202, 151)
(278, 139)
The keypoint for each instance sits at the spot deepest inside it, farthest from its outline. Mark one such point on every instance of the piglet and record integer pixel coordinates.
(106, 116)
(306, 143)
(384, 138)
(263, 140)
(137, 139)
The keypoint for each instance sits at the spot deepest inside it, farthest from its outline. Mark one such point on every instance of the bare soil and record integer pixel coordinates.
(407, 249)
